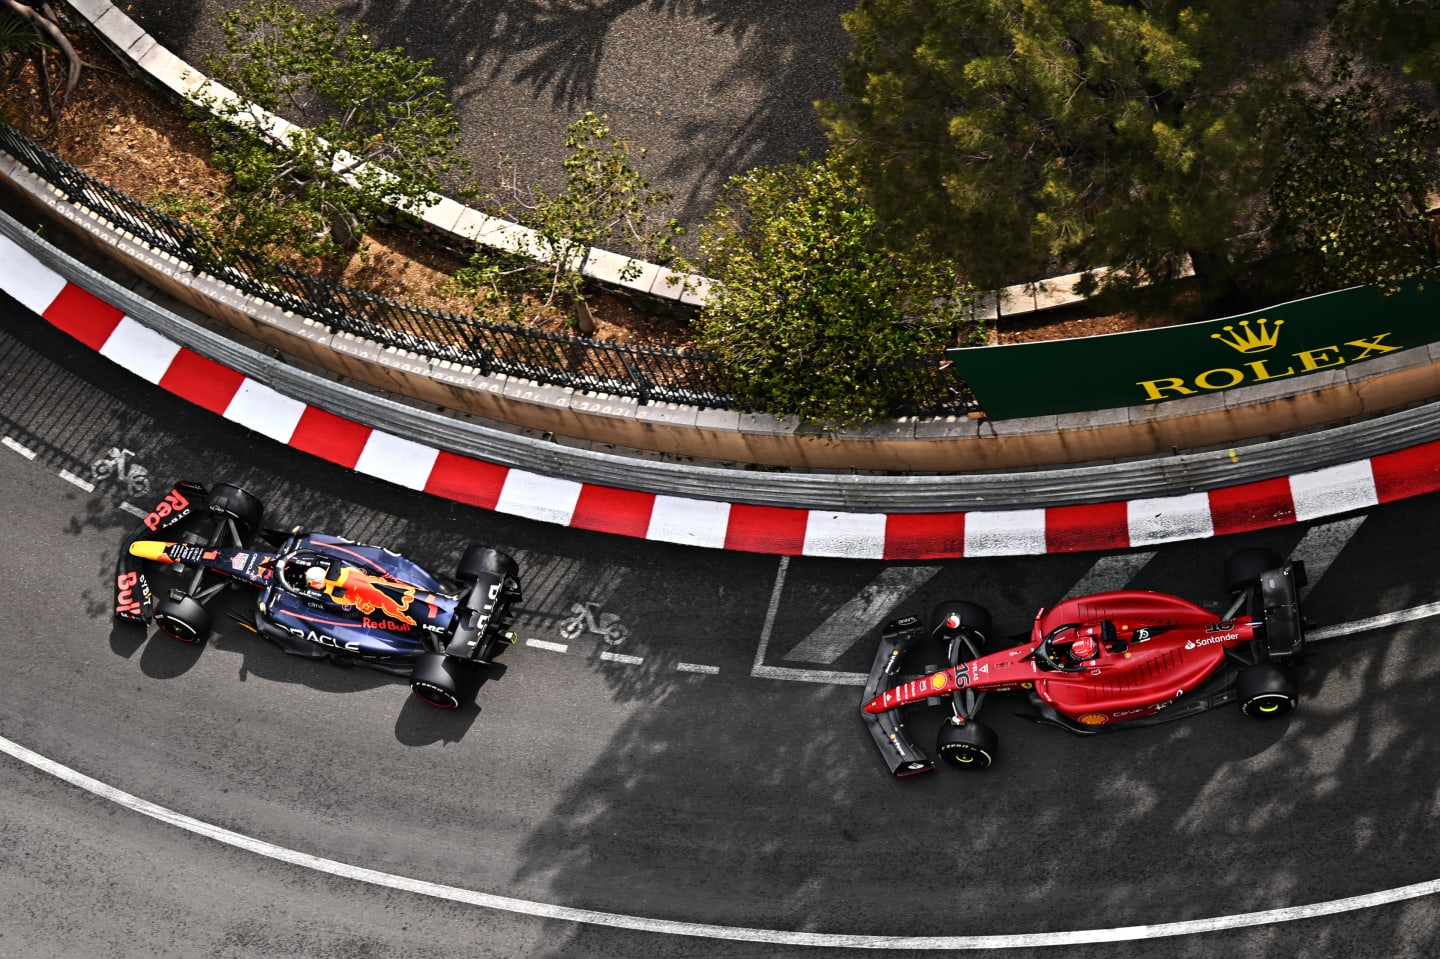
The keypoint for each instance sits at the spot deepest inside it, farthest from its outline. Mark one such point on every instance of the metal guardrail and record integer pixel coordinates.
(687, 377)
(1160, 476)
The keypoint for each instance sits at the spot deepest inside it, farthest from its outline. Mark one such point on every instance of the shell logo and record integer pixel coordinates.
(1093, 719)
(938, 682)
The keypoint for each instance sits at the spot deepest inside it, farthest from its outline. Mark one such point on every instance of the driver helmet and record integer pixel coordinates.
(315, 577)
(1084, 648)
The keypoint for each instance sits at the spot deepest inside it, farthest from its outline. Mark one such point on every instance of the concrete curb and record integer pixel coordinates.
(411, 462)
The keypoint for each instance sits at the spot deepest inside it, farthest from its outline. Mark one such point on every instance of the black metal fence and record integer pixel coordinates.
(689, 377)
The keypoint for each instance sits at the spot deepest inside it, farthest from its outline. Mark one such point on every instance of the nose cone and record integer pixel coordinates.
(150, 549)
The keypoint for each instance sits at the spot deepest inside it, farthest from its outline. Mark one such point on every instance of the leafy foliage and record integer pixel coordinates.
(372, 129)
(1400, 32)
(606, 200)
(17, 37)
(811, 314)
(1352, 193)
(1023, 134)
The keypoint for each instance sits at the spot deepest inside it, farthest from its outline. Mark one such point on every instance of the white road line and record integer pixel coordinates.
(770, 613)
(1374, 622)
(628, 660)
(74, 480)
(1320, 545)
(761, 671)
(854, 620)
(731, 933)
(809, 675)
(135, 511)
(1110, 572)
(697, 668)
(24, 451)
(545, 644)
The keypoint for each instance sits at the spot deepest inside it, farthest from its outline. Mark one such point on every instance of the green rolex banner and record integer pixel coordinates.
(1115, 370)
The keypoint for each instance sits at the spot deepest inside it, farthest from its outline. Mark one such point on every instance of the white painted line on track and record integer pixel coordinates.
(698, 668)
(24, 451)
(761, 671)
(1320, 545)
(74, 480)
(809, 675)
(628, 660)
(135, 511)
(1110, 572)
(1374, 622)
(853, 621)
(546, 644)
(542, 910)
(770, 613)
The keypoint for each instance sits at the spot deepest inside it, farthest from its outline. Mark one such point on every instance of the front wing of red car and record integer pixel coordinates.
(888, 729)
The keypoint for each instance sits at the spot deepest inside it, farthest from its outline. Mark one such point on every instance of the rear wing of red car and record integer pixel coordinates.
(888, 729)
(1280, 604)
(134, 600)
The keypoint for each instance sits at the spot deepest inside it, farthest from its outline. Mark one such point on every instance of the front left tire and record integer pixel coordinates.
(955, 615)
(184, 619)
(240, 504)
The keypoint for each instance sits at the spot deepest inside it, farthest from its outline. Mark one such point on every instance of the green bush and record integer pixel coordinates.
(812, 314)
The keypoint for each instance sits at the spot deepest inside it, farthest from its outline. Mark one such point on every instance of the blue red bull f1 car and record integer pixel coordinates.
(1097, 663)
(318, 595)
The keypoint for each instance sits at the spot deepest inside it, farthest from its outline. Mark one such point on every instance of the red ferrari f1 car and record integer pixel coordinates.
(1097, 663)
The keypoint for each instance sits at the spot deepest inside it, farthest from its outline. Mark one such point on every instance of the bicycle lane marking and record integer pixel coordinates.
(543, 910)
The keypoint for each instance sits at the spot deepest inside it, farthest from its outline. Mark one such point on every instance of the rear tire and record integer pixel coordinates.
(970, 745)
(184, 619)
(1266, 691)
(1244, 568)
(244, 506)
(444, 681)
(971, 617)
(478, 560)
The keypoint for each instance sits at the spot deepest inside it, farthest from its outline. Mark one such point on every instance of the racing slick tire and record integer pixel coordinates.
(969, 616)
(1265, 691)
(444, 681)
(1244, 567)
(969, 745)
(244, 506)
(482, 559)
(184, 619)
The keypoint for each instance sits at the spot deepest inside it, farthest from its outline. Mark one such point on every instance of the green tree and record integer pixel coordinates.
(1026, 134)
(372, 130)
(1405, 33)
(1351, 196)
(811, 314)
(606, 201)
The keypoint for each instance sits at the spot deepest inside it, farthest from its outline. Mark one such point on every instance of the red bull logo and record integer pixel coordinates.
(126, 603)
(371, 594)
(174, 505)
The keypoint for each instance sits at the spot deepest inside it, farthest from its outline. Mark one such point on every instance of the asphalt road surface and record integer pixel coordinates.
(710, 87)
(708, 769)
